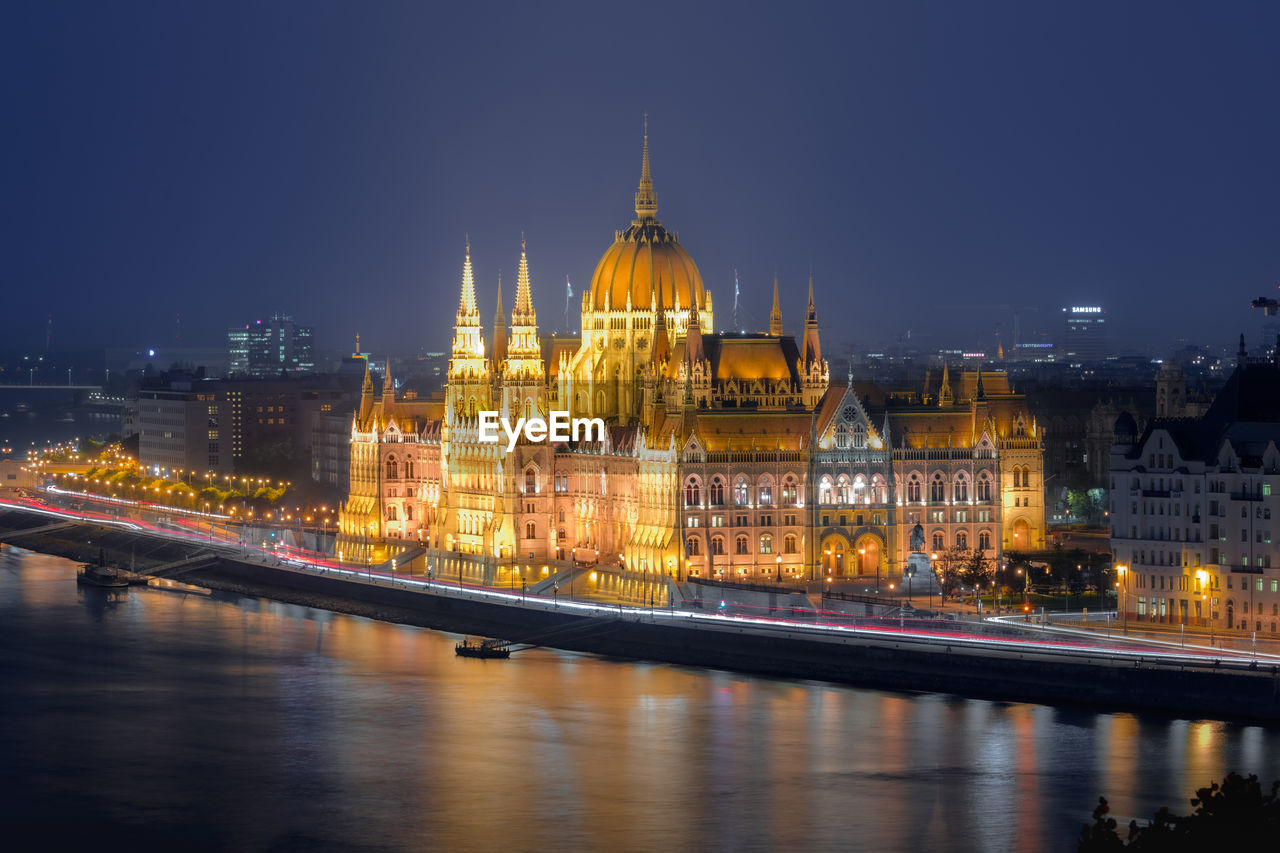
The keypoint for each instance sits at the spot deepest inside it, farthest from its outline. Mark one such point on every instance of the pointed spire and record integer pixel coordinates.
(693, 338)
(884, 430)
(812, 342)
(499, 328)
(523, 313)
(467, 301)
(945, 397)
(661, 346)
(981, 394)
(366, 394)
(775, 316)
(646, 203)
(1243, 353)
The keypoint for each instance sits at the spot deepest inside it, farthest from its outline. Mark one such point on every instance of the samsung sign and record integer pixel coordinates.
(1086, 309)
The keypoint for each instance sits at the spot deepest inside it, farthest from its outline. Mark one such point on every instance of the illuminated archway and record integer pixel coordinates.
(1021, 535)
(867, 551)
(835, 555)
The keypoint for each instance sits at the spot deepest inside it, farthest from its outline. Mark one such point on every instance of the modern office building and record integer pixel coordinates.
(266, 349)
(1084, 335)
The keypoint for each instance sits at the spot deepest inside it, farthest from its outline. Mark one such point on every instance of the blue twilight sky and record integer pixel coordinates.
(939, 164)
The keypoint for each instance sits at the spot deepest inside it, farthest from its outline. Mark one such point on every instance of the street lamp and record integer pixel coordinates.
(1123, 571)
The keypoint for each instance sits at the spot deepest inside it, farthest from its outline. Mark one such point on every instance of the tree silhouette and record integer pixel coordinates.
(1226, 817)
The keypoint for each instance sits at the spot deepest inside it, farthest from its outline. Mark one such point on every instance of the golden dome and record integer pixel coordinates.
(643, 259)
(646, 258)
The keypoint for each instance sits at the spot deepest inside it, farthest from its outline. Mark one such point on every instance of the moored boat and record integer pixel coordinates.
(92, 574)
(482, 649)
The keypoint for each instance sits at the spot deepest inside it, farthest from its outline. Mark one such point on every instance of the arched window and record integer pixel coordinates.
(530, 481)
(530, 531)
(984, 541)
(717, 491)
(842, 489)
(879, 491)
(717, 546)
(560, 533)
(913, 488)
(408, 512)
(962, 487)
(740, 545)
(766, 490)
(391, 468)
(391, 513)
(1020, 428)
(1026, 477)
(692, 548)
(937, 489)
(859, 489)
(692, 492)
(408, 468)
(842, 436)
(984, 487)
(790, 495)
(962, 540)
(824, 490)
(859, 437)
(766, 544)
(937, 540)
(741, 494)
(789, 544)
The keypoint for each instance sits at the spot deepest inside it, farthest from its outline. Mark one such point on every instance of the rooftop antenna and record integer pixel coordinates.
(736, 317)
(568, 304)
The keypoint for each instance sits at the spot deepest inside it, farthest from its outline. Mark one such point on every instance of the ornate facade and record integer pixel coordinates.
(726, 455)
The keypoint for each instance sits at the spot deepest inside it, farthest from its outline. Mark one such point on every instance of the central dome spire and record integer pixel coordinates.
(646, 202)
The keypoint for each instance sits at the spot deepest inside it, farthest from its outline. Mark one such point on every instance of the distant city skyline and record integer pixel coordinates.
(230, 161)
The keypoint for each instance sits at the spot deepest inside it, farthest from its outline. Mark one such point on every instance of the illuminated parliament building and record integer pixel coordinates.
(726, 455)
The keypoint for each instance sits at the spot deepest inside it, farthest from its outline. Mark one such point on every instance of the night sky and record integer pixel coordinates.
(937, 164)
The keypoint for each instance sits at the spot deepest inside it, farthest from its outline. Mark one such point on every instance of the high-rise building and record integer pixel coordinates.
(1084, 335)
(266, 348)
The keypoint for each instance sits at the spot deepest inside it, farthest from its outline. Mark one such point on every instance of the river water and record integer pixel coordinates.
(181, 720)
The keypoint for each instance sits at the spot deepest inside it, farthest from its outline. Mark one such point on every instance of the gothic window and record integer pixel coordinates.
(879, 492)
(717, 491)
(937, 489)
(391, 513)
(530, 531)
(790, 495)
(842, 436)
(859, 438)
(842, 489)
(984, 487)
(824, 490)
(692, 492)
(408, 513)
(530, 481)
(789, 544)
(391, 468)
(717, 546)
(962, 540)
(1020, 428)
(984, 541)
(913, 488)
(962, 487)
(766, 544)
(692, 548)
(741, 494)
(408, 468)
(859, 489)
(740, 546)
(766, 491)
(937, 541)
